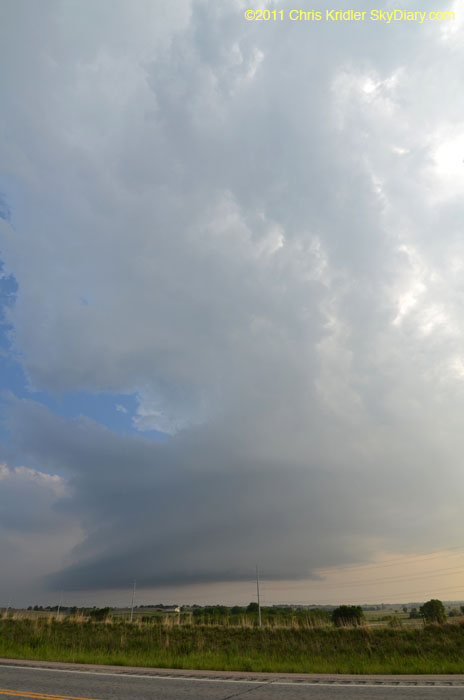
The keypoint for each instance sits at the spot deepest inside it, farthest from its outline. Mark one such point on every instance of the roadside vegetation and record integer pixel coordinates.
(304, 644)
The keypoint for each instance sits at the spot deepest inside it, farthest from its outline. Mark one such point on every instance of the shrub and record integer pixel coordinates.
(348, 615)
(100, 613)
(395, 622)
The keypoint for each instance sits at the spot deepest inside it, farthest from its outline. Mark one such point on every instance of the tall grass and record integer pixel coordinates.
(433, 649)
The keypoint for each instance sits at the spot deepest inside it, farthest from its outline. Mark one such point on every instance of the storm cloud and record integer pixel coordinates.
(255, 230)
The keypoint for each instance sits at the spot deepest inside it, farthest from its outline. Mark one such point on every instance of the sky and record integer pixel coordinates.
(232, 326)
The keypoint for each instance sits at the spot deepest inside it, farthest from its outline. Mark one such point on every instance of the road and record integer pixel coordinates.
(47, 681)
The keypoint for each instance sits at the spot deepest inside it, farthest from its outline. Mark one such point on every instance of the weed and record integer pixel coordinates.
(431, 649)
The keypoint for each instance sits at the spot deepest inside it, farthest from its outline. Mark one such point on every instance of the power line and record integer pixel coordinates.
(368, 582)
(412, 557)
(428, 592)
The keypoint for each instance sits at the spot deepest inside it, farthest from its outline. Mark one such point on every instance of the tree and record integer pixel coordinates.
(100, 613)
(237, 610)
(252, 608)
(433, 611)
(348, 615)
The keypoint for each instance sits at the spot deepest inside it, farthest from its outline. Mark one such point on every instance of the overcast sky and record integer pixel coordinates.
(232, 290)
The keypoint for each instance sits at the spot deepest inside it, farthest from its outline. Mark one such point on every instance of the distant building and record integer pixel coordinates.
(169, 608)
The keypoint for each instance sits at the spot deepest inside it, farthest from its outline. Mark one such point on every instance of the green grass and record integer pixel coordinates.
(433, 649)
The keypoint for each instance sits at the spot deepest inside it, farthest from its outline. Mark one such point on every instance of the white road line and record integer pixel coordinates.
(333, 684)
(134, 675)
(372, 685)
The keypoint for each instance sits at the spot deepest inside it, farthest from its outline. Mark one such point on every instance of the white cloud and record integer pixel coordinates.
(22, 476)
(448, 162)
(265, 222)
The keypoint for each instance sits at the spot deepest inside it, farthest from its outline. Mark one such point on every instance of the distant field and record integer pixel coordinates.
(276, 618)
(430, 649)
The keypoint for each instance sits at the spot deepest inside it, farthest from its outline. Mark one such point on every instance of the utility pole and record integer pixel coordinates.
(132, 606)
(257, 589)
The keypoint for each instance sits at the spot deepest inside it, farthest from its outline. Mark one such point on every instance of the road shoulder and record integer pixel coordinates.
(307, 678)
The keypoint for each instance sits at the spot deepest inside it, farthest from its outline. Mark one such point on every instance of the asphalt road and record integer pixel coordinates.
(64, 683)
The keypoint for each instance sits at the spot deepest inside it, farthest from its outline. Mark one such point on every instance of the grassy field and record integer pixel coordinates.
(431, 649)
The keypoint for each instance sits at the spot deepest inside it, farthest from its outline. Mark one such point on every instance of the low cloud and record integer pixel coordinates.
(204, 507)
